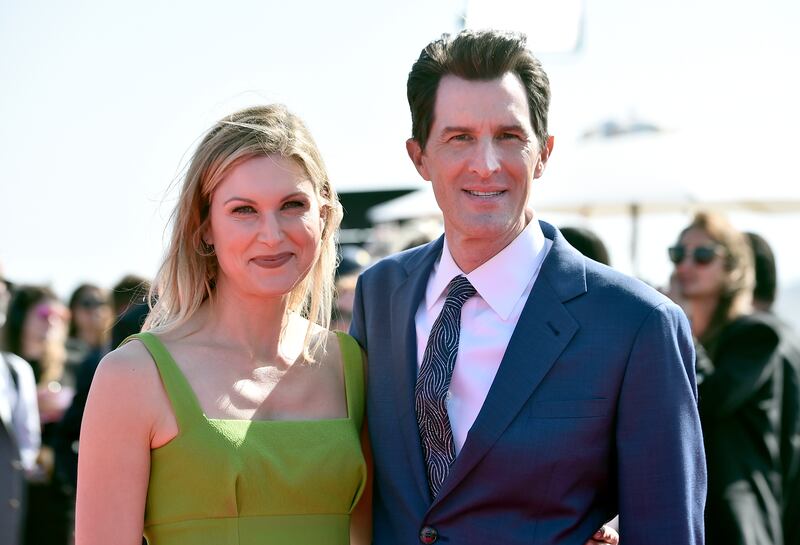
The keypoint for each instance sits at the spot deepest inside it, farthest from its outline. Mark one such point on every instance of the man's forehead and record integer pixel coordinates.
(499, 101)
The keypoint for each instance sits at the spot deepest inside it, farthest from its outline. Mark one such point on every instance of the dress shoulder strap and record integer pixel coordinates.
(353, 366)
(181, 396)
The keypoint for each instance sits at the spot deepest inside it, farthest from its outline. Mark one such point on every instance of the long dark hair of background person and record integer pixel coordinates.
(36, 330)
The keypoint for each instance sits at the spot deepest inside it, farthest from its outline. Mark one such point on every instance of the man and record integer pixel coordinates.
(19, 433)
(552, 392)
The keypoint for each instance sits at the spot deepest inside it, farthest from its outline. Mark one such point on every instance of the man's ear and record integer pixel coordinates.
(416, 155)
(544, 155)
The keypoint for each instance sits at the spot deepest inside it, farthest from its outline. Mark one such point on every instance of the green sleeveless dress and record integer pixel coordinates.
(240, 482)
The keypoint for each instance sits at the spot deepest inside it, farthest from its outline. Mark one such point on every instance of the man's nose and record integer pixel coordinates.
(486, 160)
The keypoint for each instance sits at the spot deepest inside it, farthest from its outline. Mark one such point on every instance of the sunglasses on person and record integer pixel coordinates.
(701, 255)
(44, 311)
(91, 303)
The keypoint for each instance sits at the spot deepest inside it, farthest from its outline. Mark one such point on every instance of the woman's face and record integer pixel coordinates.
(46, 322)
(700, 273)
(265, 226)
(92, 315)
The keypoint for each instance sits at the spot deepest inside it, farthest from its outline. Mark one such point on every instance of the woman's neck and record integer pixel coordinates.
(256, 326)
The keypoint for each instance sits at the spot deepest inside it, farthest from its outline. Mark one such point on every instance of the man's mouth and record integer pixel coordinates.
(484, 193)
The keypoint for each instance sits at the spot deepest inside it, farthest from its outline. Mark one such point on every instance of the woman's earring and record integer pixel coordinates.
(205, 249)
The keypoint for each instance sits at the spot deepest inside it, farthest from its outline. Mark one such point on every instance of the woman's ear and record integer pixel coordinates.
(324, 212)
(206, 236)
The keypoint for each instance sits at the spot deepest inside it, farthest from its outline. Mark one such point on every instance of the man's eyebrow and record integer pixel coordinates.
(515, 127)
(447, 130)
(512, 128)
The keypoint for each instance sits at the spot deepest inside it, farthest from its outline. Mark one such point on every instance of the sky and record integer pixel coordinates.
(102, 102)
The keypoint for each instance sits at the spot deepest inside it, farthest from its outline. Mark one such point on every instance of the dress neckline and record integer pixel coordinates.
(195, 402)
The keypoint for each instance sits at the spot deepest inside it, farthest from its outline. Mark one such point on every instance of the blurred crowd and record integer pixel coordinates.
(748, 369)
(50, 350)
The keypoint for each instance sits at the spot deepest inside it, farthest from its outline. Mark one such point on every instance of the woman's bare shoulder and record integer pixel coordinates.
(129, 360)
(128, 374)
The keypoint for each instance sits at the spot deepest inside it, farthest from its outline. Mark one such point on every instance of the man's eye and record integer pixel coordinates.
(460, 138)
(510, 136)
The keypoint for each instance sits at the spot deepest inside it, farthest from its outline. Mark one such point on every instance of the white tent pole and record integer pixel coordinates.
(635, 216)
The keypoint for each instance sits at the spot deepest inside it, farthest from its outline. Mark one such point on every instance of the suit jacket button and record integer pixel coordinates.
(428, 535)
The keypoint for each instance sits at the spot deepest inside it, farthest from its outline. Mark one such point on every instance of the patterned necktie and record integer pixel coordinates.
(434, 381)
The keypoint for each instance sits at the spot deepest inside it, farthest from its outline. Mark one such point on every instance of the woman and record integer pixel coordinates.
(237, 417)
(739, 383)
(36, 330)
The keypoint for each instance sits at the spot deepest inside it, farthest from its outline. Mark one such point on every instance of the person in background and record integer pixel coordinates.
(36, 330)
(742, 357)
(587, 242)
(764, 293)
(130, 290)
(353, 260)
(20, 436)
(90, 326)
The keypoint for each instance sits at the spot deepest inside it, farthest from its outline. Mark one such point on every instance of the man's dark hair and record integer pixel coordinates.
(476, 55)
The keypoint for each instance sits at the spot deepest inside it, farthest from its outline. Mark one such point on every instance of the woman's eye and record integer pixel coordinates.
(293, 204)
(244, 209)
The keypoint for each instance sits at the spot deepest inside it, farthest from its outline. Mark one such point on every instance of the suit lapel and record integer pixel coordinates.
(544, 329)
(404, 304)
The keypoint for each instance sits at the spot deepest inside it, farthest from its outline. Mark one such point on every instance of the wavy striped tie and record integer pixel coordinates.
(433, 383)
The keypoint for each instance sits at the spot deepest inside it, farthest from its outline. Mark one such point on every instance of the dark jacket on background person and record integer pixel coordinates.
(748, 389)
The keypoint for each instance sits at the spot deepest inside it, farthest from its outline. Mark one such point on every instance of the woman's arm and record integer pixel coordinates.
(114, 458)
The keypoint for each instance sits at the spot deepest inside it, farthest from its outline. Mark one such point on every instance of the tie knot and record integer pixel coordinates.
(459, 290)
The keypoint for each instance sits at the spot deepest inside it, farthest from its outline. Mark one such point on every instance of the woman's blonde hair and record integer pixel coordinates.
(187, 277)
(736, 292)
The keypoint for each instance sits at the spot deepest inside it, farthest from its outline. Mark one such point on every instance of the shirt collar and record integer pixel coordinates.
(502, 280)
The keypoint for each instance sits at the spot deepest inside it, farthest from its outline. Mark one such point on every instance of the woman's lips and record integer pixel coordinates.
(272, 261)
